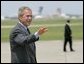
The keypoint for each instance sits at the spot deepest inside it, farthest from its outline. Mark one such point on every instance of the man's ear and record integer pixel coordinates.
(20, 18)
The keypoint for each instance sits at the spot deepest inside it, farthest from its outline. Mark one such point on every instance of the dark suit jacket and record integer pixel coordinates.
(22, 44)
(67, 32)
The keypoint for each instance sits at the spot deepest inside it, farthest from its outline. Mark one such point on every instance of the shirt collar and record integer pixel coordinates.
(68, 24)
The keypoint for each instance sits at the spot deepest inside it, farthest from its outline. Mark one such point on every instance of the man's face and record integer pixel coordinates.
(26, 17)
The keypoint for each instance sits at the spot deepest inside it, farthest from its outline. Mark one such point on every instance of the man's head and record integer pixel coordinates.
(25, 15)
(68, 21)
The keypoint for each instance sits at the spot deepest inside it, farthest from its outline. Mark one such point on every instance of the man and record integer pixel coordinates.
(67, 35)
(22, 42)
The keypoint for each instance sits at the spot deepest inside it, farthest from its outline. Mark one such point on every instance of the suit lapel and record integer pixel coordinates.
(23, 29)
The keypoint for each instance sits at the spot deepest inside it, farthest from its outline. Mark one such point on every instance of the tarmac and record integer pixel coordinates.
(49, 52)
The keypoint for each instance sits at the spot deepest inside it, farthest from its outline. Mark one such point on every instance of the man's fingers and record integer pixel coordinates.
(45, 30)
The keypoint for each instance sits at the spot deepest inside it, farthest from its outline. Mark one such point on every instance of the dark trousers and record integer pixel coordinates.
(70, 43)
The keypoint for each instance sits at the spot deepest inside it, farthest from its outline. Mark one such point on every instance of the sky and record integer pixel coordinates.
(10, 8)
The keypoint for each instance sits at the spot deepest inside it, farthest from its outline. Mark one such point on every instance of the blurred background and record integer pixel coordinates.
(52, 14)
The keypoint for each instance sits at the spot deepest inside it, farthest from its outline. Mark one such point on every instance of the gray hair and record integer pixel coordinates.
(21, 9)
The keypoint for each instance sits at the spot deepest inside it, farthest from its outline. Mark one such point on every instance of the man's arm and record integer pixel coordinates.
(21, 38)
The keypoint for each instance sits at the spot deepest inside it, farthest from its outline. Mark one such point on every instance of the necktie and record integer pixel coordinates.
(28, 30)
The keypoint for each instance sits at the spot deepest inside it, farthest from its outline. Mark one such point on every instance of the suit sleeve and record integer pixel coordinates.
(67, 31)
(21, 38)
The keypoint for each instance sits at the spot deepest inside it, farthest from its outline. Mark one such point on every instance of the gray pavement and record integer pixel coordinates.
(50, 52)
